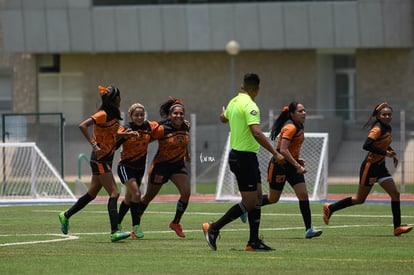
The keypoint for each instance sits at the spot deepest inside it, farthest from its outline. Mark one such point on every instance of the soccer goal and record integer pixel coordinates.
(26, 176)
(315, 153)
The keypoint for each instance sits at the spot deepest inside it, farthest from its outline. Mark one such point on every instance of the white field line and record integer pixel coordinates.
(60, 239)
(221, 213)
(75, 236)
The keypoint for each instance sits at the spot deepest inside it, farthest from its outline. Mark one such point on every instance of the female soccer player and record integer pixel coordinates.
(289, 125)
(131, 166)
(373, 168)
(169, 161)
(105, 124)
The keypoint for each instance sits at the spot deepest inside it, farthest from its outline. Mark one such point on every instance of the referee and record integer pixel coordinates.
(246, 137)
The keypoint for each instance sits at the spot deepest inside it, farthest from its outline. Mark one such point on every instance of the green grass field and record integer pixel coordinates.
(210, 188)
(359, 240)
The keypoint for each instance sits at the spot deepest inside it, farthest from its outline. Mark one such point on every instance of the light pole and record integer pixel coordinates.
(232, 48)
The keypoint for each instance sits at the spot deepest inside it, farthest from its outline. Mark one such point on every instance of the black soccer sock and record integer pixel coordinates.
(344, 203)
(81, 203)
(233, 213)
(306, 213)
(113, 214)
(134, 214)
(141, 209)
(180, 209)
(396, 213)
(123, 209)
(265, 200)
(254, 223)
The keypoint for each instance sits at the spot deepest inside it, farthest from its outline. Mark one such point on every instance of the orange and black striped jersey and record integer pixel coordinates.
(134, 149)
(105, 132)
(295, 134)
(378, 142)
(172, 146)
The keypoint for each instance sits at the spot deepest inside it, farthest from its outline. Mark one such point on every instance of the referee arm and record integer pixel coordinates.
(222, 117)
(264, 142)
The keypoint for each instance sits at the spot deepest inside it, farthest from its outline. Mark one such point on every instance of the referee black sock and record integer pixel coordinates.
(233, 213)
(254, 223)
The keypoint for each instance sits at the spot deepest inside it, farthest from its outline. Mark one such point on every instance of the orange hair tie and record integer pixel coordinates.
(285, 109)
(102, 90)
(176, 101)
(382, 105)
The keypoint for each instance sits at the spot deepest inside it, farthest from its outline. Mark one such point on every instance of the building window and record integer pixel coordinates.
(162, 2)
(6, 105)
(49, 63)
(62, 93)
(345, 86)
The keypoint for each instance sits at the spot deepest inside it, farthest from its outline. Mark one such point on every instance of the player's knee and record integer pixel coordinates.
(114, 194)
(273, 200)
(273, 197)
(358, 201)
(395, 196)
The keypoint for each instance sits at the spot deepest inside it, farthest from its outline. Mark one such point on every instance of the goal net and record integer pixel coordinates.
(315, 153)
(26, 176)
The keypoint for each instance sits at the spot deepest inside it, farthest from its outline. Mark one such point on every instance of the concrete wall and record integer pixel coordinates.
(201, 80)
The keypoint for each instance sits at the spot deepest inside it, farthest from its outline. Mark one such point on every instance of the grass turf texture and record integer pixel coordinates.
(359, 240)
(210, 188)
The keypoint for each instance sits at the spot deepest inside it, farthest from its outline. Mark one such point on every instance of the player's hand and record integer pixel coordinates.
(96, 149)
(301, 162)
(391, 153)
(395, 159)
(300, 169)
(279, 158)
(129, 133)
(222, 117)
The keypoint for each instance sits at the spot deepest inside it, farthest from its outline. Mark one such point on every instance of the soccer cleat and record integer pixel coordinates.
(136, 232)
(243, 217)
(178, 230)
(402, 229)
(326, 213)
(258, 246)
(211, 235)
(311, 232)
(119, 235)
(64, 223)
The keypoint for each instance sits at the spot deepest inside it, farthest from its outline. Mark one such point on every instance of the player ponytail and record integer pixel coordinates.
(169, 105)
(108, 96)
(282, 118)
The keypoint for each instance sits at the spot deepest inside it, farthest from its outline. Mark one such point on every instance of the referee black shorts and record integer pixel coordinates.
(245, 167)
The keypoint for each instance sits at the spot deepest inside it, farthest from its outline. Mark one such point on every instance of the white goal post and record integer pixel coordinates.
(27, 176)
(315, 153)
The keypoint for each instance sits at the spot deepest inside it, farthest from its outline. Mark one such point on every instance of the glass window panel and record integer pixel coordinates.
(49, 85)
(62, 93)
